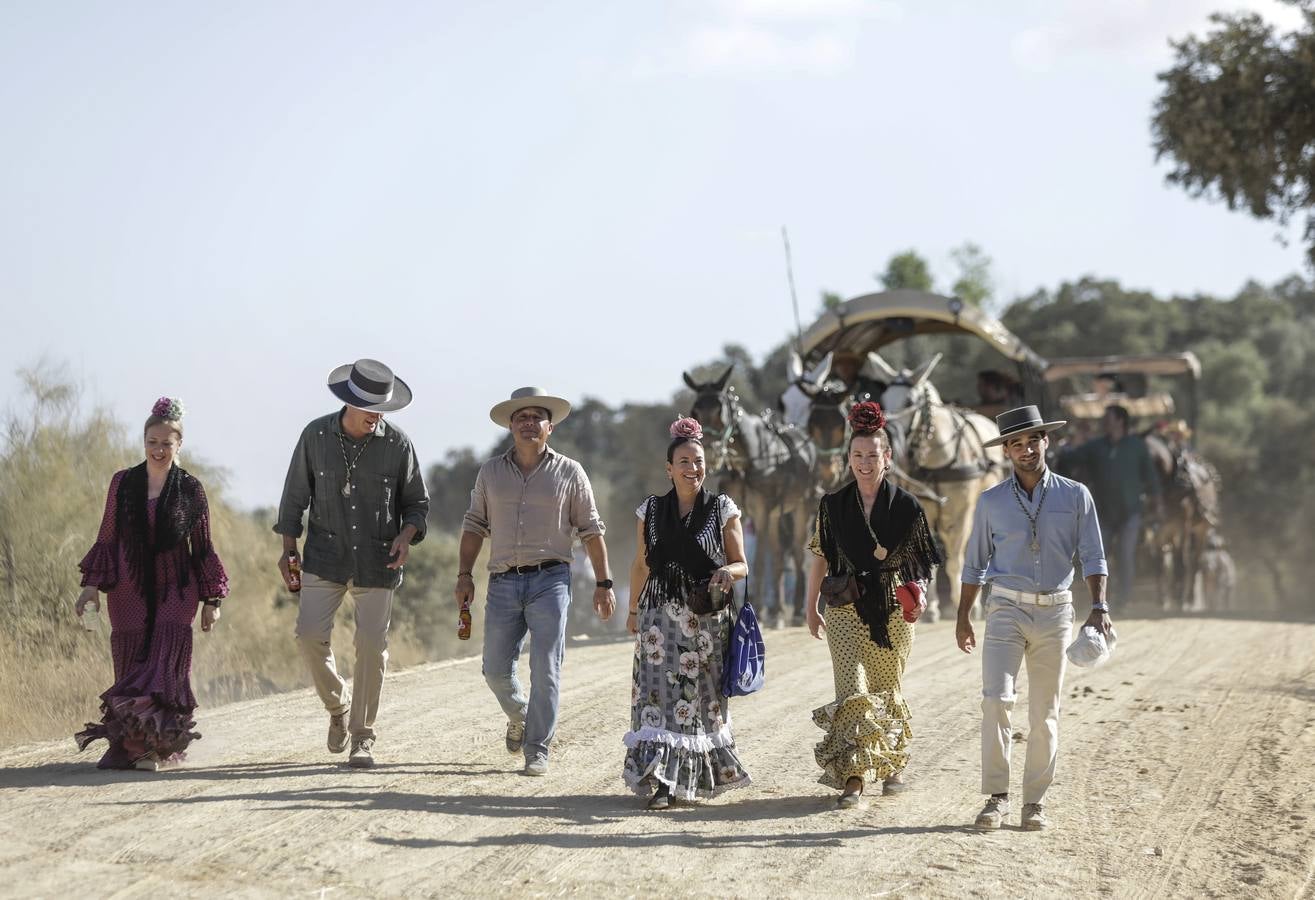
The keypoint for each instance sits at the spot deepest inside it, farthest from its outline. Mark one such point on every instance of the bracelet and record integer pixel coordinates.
(213, 602)
(634, 612)
(467, 574)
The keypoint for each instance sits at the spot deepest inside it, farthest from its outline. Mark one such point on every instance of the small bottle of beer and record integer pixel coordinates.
(294, 572)
(463, 621)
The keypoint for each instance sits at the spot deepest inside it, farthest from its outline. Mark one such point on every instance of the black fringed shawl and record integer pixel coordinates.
(177, 509)
(676, 561)
(900, 524)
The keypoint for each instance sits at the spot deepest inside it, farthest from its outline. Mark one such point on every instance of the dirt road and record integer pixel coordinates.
(1187, 769)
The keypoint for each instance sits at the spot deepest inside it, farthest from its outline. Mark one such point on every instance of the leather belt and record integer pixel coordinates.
(537, 567)
(1039, 598)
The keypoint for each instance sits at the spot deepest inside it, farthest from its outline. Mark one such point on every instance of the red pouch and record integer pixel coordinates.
(911, 599)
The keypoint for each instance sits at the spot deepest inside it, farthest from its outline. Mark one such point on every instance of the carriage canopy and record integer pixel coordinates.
(1085, 404)
(872, 321)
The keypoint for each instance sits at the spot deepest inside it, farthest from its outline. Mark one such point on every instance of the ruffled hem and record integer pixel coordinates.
(689, 774)
(867, 736)
(137, 727)
(100, 567)
(699, 743)
(213, 579)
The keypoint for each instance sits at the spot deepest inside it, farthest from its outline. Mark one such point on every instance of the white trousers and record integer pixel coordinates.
(1018, 632)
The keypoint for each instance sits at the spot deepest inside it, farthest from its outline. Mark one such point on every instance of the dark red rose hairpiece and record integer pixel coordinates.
(867, 418)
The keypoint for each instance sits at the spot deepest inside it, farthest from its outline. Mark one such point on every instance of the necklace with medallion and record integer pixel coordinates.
(1031, 517)
(351, 463)
(880, 552)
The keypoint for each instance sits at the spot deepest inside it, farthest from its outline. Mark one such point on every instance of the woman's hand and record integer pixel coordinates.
(816, 624)
(632, 622)
(209, 616)
(723, 579)
(89, 595)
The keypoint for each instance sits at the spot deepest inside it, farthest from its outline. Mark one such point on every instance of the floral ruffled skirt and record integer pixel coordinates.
(680, 732)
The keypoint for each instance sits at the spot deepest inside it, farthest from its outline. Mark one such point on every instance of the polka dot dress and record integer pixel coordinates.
(867, 725)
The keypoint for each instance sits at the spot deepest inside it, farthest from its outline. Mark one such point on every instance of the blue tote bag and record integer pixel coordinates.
(745, 668)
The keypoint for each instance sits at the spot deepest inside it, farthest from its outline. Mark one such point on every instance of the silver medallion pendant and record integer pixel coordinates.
(880, 552)
(347, 489)
(1036, 546)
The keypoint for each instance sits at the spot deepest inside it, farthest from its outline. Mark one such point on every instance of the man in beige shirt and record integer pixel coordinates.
(532, 503)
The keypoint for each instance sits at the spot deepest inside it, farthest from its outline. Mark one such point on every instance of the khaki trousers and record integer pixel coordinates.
(1018, 632)
(316, 608)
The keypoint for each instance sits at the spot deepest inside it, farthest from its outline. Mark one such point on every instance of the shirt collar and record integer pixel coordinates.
(510, 455)
(335, 424)
(1047, 481)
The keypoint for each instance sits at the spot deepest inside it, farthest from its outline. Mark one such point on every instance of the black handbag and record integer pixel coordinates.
(840, 590)
(701, 601)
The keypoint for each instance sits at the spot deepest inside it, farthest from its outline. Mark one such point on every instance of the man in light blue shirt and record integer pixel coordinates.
(1027, 530)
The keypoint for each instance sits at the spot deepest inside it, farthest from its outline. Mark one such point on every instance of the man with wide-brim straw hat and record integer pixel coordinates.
(531, 503)
(1026, 532)
(362, 483)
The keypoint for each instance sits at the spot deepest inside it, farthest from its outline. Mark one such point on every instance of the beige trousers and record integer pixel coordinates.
(1018, 632)
(316, 608)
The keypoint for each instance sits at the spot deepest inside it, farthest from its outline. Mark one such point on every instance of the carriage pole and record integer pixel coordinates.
(794, 297)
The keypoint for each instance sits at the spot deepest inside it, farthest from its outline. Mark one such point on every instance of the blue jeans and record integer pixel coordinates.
(532, 604)
(1121, 552)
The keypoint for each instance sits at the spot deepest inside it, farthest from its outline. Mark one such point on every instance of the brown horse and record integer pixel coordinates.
(1190, 488)
(766, 466)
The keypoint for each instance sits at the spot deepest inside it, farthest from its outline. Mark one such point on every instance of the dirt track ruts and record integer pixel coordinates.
(1187, 769)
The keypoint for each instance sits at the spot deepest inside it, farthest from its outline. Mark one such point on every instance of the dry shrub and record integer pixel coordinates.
(55, 469)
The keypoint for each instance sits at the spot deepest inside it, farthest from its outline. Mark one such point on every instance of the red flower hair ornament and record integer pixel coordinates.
(867, 418)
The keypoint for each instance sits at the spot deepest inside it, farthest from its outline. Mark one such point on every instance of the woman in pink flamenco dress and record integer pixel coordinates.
(154, 560)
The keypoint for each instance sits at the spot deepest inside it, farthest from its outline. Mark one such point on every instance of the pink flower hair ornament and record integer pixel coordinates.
(687, 428)
(168, 408)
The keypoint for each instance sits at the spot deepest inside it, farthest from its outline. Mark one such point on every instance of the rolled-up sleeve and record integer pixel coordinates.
(1091, 551)
(977, 556)
(476, 519)
(584, 516)
(297, 488)
(415, 498)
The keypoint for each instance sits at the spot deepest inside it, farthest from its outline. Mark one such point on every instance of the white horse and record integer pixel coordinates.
(797, 400)
(944, 449)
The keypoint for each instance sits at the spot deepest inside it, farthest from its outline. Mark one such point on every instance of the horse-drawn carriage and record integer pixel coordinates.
(778, 463)
(1182, 540)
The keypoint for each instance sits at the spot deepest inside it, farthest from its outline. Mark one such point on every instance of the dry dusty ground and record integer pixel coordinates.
(1187, 769)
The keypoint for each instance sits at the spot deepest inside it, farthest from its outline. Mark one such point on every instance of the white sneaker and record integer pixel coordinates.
(1034, 818)
(993, 813)
(361, 756)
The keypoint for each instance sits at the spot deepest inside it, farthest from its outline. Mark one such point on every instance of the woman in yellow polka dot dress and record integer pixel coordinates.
(866, 587)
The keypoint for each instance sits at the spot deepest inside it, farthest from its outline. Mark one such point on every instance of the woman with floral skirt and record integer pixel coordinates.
(690, 554)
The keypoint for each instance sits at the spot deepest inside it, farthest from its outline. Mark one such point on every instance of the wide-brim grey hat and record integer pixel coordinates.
(558, 408)
(369, 385)
(1023, 420)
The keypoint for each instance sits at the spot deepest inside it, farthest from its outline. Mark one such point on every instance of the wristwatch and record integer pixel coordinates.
(605, 583)
(1101, 607)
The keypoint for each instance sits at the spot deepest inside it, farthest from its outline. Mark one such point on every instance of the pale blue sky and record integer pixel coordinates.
(224, 201)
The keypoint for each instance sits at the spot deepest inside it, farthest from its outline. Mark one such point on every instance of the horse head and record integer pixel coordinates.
(828, 428)
(797, 399)
(910, 396)
(715, 405)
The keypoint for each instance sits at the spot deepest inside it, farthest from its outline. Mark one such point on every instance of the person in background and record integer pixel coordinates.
(1122, 477)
